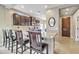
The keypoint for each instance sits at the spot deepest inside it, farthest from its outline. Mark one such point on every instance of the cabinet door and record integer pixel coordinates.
(22, 20)
(66, 26)
(18, 22)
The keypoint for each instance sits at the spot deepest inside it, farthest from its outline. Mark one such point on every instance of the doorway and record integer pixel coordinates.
(66, 26)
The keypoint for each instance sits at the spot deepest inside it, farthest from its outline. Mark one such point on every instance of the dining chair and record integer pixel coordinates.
(20, 41)
(36, 43)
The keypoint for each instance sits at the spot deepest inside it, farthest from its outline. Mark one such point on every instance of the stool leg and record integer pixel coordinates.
(21, 49)
(9, 44)
(12, 47)
(16, 47)
(30, 50)
(6, 43)
(47, 50)
(41, 51)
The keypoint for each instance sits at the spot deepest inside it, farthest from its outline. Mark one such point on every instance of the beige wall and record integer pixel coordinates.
(75, 16)
(51, 31)
(52, 13)
(4, 15)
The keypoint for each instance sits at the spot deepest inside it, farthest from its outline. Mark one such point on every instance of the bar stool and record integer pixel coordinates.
(12, 40)
(36, 43)
(20, 41)
(5, 38)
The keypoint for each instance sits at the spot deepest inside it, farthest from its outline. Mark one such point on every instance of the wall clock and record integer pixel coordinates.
(51, 21)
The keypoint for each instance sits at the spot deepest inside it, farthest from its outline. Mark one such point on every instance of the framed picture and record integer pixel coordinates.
(51, 21)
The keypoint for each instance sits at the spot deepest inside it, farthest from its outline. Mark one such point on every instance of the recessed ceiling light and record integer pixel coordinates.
(48, 11)
(45, 6)
(67, 9)
(38, 12)
(66, 13)
(31, 11)
(44, 18)
(22, 6)
(65, 17)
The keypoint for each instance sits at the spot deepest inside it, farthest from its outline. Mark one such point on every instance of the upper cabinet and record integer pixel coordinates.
(24, 20)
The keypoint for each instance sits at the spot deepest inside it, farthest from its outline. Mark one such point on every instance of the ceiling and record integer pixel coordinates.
(37, 10)
(69, 11)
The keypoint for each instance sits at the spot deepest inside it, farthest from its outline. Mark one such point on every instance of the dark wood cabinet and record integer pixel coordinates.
(24, 20)
(66, 26)
(16, 19)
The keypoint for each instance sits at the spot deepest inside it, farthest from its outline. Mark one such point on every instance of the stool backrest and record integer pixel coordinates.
(19, 36)
(5, 34)
(35, 39)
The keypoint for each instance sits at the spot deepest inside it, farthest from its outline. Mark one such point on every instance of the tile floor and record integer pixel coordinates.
(4, 50)
(66, 46)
